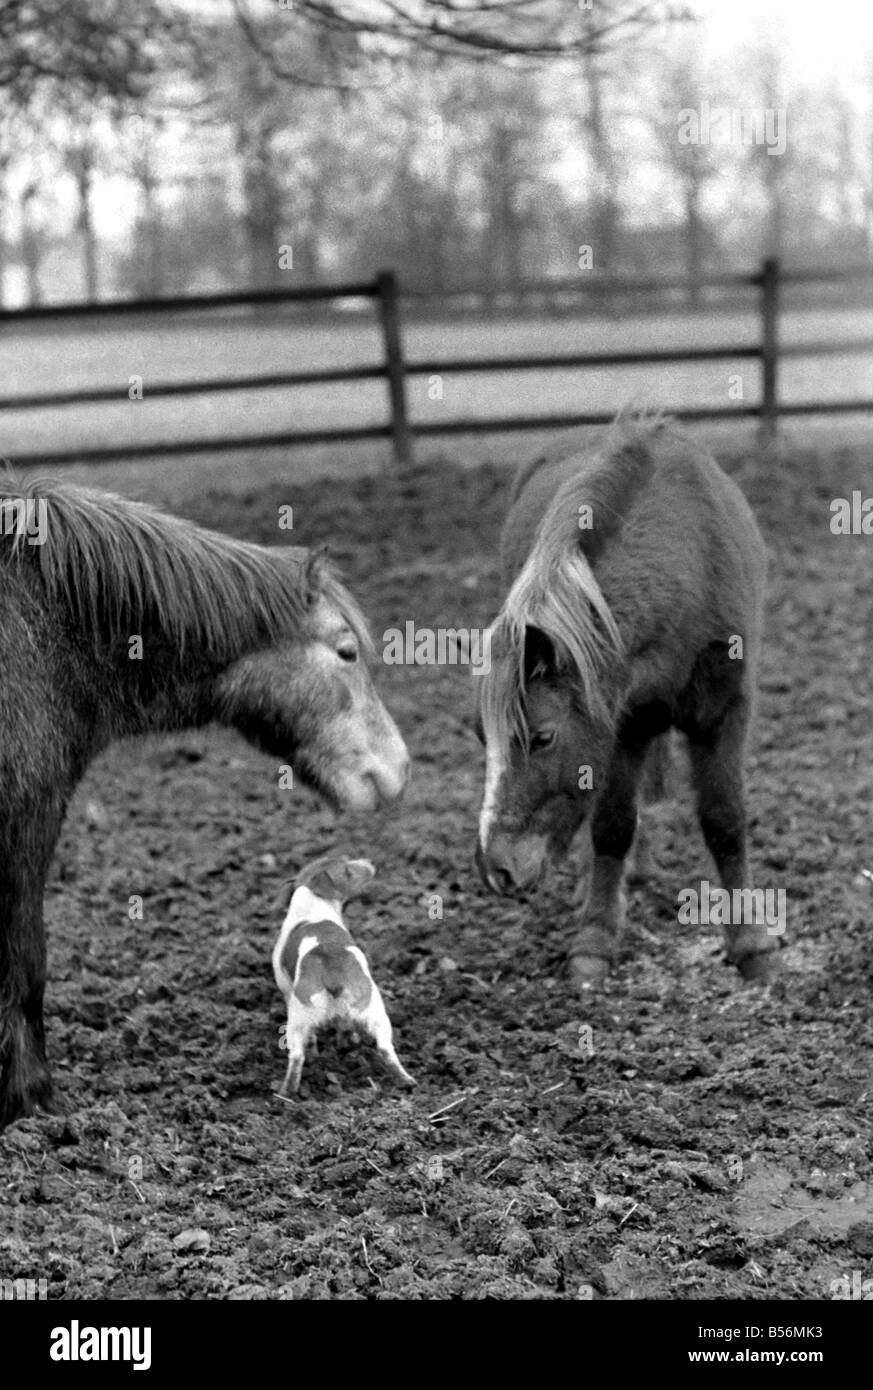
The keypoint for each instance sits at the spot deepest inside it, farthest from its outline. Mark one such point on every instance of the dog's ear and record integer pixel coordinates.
(354, 877)
(282, 900)
(341, 879)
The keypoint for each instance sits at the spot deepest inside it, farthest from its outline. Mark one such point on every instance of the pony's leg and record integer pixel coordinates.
(641, 863)
(717, 773)
(613, 827)
(655, 787)
(25, 1080)
(657, 770)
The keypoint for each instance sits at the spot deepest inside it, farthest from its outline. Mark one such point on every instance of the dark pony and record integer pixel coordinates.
(636, 575)
(117, 620)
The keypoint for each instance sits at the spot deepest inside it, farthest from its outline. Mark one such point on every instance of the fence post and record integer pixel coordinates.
(769, 420)
(386, 282)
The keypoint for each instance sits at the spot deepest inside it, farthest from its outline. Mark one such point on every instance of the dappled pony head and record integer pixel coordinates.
(548, 705)
(310, 700)
(204, 626)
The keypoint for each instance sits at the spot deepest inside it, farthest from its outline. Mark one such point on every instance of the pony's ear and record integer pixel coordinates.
(313, 572)
(540, 654)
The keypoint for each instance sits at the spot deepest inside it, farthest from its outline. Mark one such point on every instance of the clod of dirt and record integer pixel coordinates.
(859, 1238)
(188, 1242)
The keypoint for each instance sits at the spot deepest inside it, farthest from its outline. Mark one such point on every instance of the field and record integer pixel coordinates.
(715, 1142)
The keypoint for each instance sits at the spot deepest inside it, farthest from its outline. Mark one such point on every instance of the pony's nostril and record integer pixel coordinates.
(494, 876)
(389, 781)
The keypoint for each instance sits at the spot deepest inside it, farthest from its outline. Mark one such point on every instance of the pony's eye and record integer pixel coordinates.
(543, 738)
(348, 651)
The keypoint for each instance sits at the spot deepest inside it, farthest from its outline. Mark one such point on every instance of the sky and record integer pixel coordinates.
(819, 38)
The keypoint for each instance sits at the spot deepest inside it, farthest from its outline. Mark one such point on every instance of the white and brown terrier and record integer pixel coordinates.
(322, 974)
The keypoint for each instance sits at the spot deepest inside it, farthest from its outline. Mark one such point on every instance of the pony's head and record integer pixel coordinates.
(310, 700)
(265, 638)
(546, 714)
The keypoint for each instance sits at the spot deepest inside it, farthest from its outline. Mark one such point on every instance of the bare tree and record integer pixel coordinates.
(691, 164)
(603, 197)
(18, 138)
(81, 161)
(145, 168)
(31, 240)
(349, 38)
(95, 47)
(770, 168)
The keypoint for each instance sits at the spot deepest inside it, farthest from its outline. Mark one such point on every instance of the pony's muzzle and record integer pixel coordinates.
(379, 779)
(390, 776)
(496, 878)
(506, 865)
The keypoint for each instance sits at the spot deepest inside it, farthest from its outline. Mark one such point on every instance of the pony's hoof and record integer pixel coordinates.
(586, 971)
(19, 1104)
(759, 968)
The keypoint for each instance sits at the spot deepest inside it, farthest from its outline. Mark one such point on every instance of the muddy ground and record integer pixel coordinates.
(714, 1143)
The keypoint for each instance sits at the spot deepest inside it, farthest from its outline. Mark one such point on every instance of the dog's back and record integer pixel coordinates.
(323, 975)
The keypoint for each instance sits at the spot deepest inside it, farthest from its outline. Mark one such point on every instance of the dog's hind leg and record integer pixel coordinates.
(378, 1025)
(291, 1084)
(297, 1034)
(717, 772)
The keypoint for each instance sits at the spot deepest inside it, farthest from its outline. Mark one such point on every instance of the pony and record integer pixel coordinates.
(116, 620)
(635, 574)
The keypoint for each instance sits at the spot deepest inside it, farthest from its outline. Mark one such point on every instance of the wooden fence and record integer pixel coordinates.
(395, 370)
(383, 289)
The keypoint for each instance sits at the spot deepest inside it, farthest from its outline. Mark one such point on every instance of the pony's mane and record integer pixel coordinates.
(631, 430)
(115, 564)
(558, 593)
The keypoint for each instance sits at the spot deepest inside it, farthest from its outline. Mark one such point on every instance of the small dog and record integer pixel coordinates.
(322, 974)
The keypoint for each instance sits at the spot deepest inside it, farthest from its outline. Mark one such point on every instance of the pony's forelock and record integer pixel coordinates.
(557, 593)
(329, 584)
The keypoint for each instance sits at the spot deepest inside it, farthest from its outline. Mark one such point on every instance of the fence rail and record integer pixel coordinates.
(395, 370)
